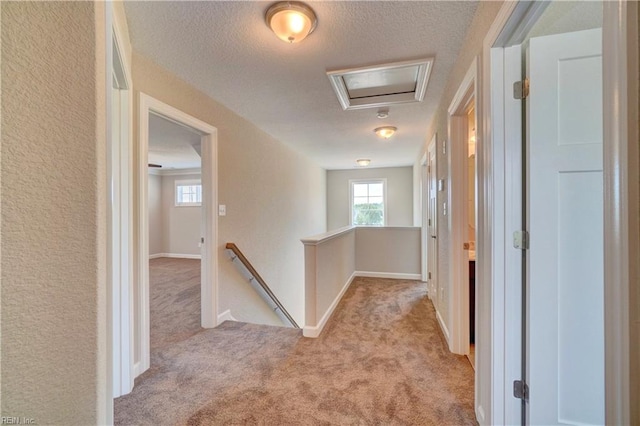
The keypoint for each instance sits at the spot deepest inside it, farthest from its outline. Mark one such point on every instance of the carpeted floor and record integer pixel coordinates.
(380, 360)
(174, 301)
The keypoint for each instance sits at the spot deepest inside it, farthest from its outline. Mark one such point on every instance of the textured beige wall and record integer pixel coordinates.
(390, 250)
(156, 231)
(472, 47)
(274, 197)
(53, 218)
(634, 253)
(399, 194)
(181, 226)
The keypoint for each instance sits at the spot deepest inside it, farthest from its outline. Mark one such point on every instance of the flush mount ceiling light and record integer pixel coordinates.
(363, 162)
(385, 132)
(291, 21)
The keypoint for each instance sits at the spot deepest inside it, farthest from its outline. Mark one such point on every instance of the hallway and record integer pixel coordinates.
(380, 360)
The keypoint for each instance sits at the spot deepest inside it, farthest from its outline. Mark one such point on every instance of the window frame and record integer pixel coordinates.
(383, 181)
(186, 182)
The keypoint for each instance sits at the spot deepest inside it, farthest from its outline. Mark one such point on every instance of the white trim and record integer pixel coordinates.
(175, 256)
(321, 238)
(489, 383)
(423, 196)
(620, 192)
(392, 275)
(336, 78)
(120, 172)
(177, 172)
(209, 269)
(314, 331)
(432, 149)
(226, 316)
(457, 208)
(137, 369)
(493, 264)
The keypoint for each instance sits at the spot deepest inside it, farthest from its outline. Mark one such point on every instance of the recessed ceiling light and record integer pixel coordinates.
(291, 21)
(385, 132)
(363, 162)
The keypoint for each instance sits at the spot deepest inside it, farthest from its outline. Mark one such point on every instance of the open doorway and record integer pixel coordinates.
(470, 246)
(153, 113)
(175, 229)
(462, 215)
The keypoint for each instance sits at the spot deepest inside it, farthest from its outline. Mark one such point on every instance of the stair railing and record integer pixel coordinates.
(255, 277)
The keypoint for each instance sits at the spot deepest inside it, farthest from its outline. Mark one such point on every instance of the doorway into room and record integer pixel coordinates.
(470, 245)
(461, 212)
(175, 230)
(153, 113)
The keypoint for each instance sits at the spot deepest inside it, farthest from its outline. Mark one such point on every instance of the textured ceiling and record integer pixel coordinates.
(171, 145)
(225, 49)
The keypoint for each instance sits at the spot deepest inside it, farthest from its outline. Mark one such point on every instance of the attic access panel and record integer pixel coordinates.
(381, 85)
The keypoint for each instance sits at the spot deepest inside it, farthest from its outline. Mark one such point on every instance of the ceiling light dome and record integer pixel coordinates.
(363, 162)
(385, 132)
(291, 21)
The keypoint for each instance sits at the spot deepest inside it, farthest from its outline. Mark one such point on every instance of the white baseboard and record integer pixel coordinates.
(394, 275)
(444, 328)
(175, 256)
(226, 316)
(314, 331)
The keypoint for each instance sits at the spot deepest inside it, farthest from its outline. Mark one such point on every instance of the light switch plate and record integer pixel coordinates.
(222, 210)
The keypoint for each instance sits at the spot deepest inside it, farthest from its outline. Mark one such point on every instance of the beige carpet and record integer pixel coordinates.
(174, 301)
(380, 360)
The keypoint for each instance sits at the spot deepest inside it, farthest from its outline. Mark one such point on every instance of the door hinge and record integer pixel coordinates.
(521, 89)
(429, 275)
(521, 390)
(521, 240)
(429, 220)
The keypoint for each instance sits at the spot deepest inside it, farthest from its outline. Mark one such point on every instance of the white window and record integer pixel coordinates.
(368, 202)
(188, 193)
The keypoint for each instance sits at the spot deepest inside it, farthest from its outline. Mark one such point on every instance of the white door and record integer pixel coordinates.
(565, 321)
(432, 209)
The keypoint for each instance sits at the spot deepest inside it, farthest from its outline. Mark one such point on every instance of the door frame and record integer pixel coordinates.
(457, 199)
(209, 177)
(432, 256)
(424, 203)
(620, 69)
(120, 215)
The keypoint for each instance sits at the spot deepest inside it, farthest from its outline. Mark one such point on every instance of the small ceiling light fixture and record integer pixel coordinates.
(363, 162)
(385, 132)
(291, 21)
